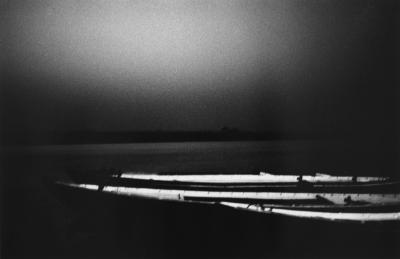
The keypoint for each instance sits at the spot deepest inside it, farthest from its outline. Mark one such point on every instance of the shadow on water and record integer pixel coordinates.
(40, 220)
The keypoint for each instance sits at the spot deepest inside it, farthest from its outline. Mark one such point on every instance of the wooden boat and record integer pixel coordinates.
(318, 196)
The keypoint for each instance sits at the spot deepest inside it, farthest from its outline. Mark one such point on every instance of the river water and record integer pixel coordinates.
(222, 157)
(42, 221)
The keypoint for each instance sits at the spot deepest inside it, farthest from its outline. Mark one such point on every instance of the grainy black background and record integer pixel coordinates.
(359, 107)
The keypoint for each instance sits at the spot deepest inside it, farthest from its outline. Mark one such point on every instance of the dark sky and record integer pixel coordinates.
(315, 65)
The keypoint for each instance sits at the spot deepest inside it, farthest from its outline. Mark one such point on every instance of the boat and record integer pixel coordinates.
(261, 178)
(314, 196)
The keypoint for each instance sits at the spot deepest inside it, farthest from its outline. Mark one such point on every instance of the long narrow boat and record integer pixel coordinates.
(339, 187)
(248, 197)
(263, 177)
(324, 215)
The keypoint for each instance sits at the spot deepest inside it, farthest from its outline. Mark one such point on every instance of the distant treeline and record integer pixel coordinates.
(88, 137)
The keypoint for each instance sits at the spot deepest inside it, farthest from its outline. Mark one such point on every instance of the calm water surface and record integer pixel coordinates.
(43, 222)
(223, 157)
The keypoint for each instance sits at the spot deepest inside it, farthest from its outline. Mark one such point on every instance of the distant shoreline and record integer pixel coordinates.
(105, 137)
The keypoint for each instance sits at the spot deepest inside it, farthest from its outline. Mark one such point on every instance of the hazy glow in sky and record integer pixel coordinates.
(161, 43)
(186, 64)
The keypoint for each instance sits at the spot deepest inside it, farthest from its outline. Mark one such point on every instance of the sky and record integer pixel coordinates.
(280, 65)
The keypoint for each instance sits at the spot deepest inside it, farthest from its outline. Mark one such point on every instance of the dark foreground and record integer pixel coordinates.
(44, 221)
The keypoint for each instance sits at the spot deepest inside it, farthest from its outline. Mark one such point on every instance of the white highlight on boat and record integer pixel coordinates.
(187, 195)
(246, 178)
(334, 216)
